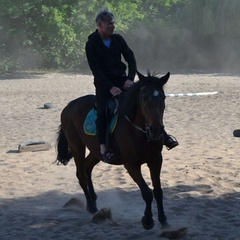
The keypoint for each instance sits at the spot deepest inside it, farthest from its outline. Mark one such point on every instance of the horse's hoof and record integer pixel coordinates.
(92, 209)
(147, 224)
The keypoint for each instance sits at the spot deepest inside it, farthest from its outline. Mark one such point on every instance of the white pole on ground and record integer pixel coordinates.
(189, 94)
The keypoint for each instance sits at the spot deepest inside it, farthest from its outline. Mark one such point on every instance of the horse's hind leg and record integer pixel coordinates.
(84, 175)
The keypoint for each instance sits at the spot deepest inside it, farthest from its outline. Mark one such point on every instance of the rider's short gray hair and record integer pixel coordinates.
(104, 15)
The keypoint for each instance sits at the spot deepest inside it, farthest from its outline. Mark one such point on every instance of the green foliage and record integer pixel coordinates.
(125, 12)
(52, 34)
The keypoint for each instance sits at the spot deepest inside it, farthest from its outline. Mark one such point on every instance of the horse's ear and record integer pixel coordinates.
(165, 78)
(141, 77)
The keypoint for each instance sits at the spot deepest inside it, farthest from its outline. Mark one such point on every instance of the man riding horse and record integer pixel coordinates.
(104, 49)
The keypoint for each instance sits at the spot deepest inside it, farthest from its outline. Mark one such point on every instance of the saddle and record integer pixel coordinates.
(112, 117)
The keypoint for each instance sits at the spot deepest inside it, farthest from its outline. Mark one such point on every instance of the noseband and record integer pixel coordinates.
(150, 135)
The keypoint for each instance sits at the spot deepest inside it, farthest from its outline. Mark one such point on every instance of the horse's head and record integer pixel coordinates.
(152, 103)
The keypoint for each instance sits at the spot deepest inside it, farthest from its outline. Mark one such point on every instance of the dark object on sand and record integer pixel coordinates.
(236, 133)
(47, 105)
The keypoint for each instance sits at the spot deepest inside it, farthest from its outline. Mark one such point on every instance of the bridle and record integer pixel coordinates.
(146, 131)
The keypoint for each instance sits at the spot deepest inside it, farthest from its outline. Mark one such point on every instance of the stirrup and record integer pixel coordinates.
(108, 157)
(172, 142)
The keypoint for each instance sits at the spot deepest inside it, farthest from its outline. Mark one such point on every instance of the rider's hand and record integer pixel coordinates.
(128, 83)
(115, 91)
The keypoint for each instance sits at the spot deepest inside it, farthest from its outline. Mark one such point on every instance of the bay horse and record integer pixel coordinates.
(138, 135)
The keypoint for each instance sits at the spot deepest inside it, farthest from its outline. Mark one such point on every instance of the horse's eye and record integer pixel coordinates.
(144, 97)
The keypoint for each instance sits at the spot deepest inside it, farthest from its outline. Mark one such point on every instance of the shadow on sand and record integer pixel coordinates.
(46, 215)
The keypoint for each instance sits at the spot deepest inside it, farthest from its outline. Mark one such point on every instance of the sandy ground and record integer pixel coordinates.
(200, 178)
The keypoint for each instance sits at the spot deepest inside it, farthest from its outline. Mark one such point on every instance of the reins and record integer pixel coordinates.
(134, 125)
(147, 130)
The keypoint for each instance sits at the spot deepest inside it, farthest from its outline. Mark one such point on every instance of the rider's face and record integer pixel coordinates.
(106, 28)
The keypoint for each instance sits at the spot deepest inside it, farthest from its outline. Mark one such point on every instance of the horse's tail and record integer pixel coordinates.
(63, 152)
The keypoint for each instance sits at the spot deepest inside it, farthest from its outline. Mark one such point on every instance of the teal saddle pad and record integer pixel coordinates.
(90, 126)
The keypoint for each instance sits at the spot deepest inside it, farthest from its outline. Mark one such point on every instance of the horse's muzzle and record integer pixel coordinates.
(154, 133)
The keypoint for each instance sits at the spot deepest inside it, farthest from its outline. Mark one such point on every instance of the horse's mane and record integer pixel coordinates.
(130, 98)
(128, 104)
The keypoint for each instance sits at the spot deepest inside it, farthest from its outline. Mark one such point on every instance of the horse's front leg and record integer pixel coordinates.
(134, 171)
(155, 170)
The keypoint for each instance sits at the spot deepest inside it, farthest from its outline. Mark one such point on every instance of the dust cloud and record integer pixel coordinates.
(175, 49)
